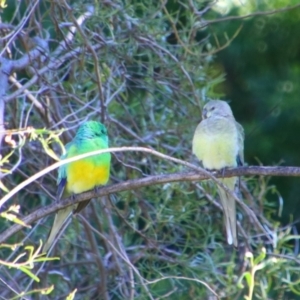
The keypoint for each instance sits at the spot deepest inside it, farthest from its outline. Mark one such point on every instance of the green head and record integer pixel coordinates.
(92, 130)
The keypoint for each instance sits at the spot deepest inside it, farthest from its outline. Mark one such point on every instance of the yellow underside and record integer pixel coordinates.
(84, 175)
(215, 151)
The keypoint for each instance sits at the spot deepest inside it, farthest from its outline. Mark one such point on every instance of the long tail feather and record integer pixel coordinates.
(60, 218)
(229, 207)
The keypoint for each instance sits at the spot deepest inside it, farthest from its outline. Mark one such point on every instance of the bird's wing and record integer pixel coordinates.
(241, 137)
(62, 175)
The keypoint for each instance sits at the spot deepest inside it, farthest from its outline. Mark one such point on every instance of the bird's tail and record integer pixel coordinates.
(228, 203)
(60, 219)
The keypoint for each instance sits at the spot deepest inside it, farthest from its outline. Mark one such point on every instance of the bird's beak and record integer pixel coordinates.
(204, 113)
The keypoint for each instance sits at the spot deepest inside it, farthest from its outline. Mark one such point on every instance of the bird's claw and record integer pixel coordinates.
(97, 189)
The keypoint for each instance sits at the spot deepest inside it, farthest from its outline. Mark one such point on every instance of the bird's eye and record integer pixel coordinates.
(213, 108)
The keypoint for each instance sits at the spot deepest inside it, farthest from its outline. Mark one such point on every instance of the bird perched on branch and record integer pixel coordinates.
(219, 143)
(81, 175)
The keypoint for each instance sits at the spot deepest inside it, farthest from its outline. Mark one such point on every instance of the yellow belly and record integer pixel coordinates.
(215, 148)
(84, 175)
(219, 153)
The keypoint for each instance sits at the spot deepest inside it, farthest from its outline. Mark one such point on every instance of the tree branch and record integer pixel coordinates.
(8, 66)
(147, 181)
(255, 14)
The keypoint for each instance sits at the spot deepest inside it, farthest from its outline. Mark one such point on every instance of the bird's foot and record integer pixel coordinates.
(97, 189)
(211, 170)
(73, 196)
(223, 172)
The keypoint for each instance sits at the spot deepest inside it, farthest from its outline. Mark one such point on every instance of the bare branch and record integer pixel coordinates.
(148, 181)
(272, 171)
(255, 14)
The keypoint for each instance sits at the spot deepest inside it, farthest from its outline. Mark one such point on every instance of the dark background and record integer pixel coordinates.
(158, 63)
(262, 67)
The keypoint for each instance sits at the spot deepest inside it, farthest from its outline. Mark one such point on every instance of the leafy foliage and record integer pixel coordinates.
(144, 68)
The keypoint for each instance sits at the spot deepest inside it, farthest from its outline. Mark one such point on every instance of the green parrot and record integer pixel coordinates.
(81, 175)
(219, 143)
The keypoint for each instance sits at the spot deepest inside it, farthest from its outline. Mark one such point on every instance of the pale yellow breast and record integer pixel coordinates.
(215, 143)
